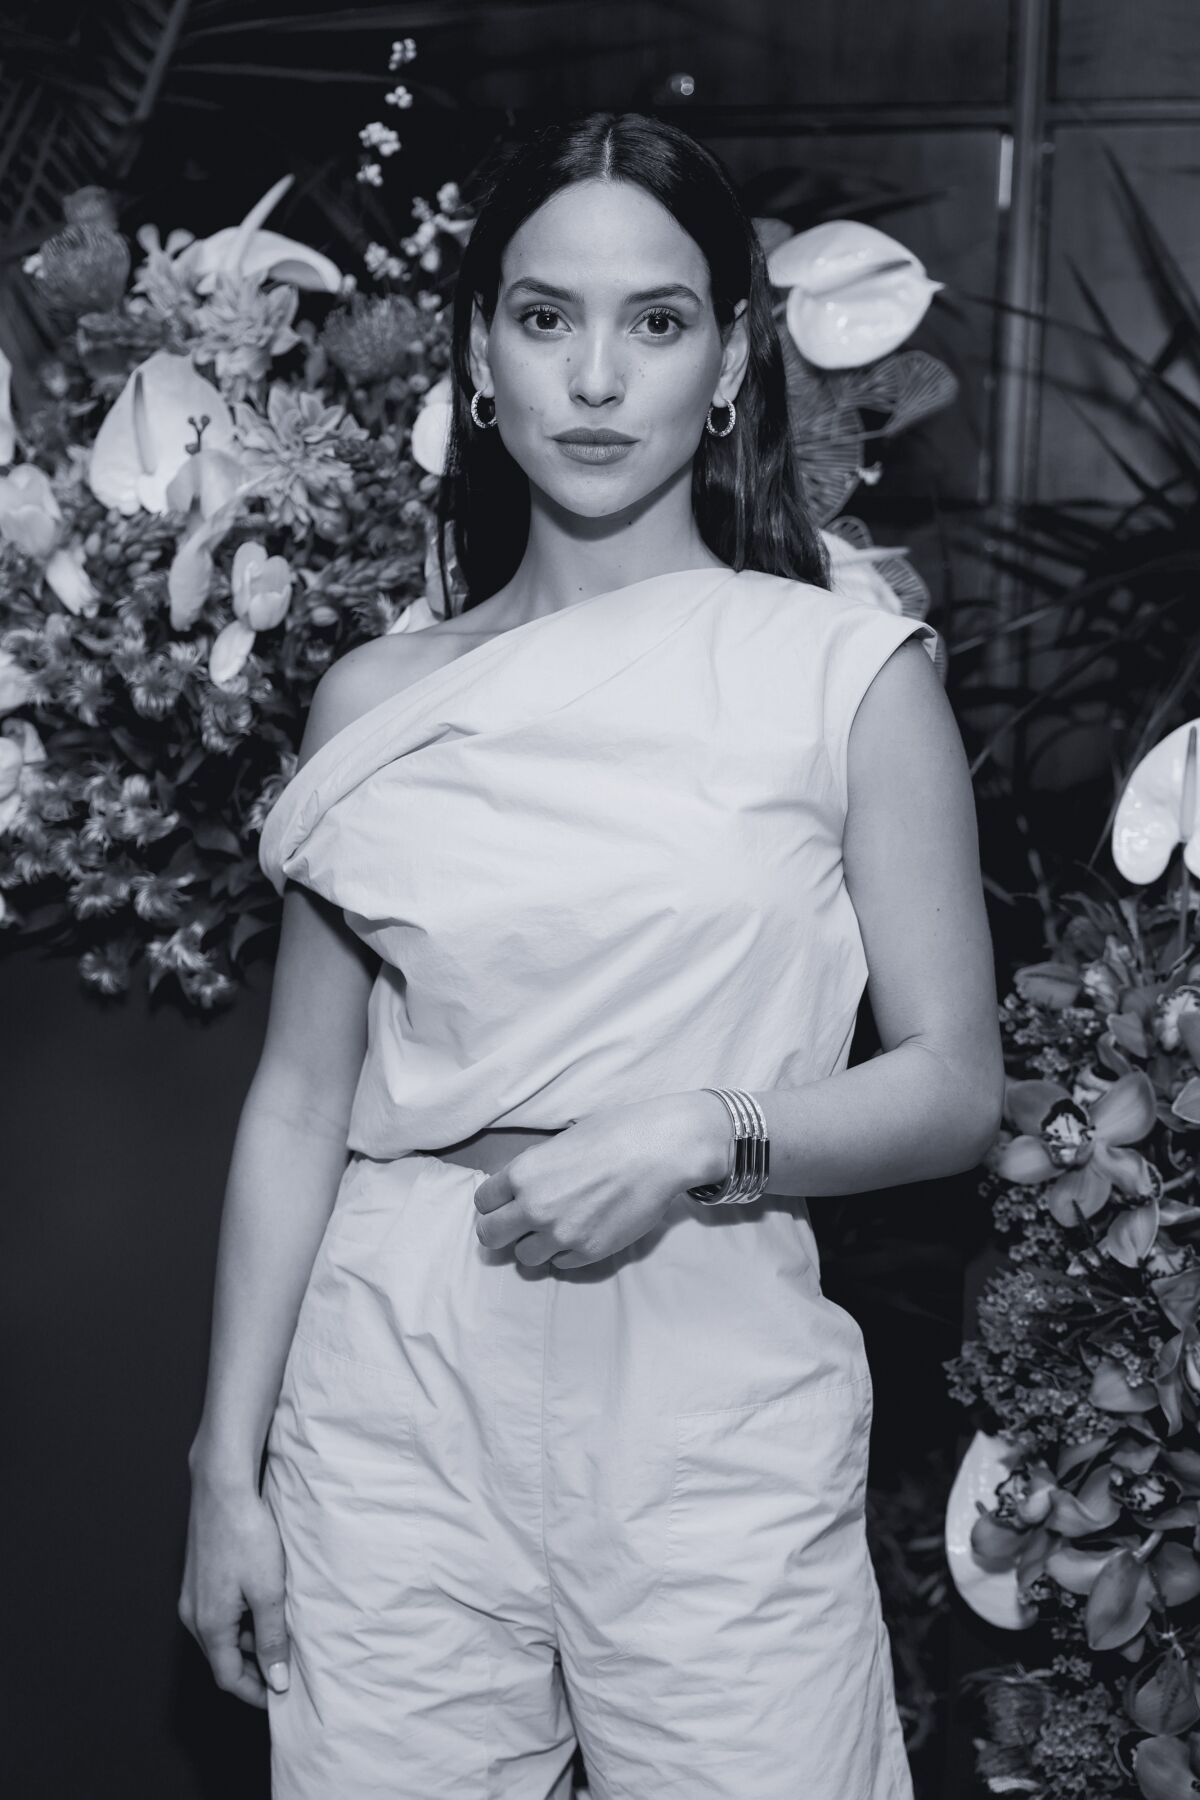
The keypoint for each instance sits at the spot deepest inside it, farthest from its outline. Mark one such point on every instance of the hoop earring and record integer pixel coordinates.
(731, 409)
(477, 396)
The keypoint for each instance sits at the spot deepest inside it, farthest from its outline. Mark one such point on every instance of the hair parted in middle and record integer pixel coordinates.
(746, 489)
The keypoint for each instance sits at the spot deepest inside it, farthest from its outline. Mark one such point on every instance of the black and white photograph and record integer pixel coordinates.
(600, 899)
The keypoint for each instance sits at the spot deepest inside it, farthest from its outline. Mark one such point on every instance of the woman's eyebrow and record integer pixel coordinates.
(674, 291)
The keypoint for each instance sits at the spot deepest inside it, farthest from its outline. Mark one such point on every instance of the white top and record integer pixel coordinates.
(599, 856)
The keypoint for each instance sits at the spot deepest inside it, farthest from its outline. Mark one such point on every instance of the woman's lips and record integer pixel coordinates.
(594, 453)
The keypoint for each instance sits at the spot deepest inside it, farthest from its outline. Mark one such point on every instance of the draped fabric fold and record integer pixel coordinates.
(599, 856)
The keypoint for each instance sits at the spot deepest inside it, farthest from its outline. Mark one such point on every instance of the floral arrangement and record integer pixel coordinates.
(228, 480)
(1088, 1353)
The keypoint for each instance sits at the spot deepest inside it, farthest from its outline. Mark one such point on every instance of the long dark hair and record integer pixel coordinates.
(746, 491)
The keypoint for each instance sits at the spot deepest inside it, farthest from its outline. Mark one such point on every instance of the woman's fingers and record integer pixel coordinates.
(232, 1671)
(271, 1640)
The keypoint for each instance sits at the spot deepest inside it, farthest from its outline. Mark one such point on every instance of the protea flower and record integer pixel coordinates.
(372, 337)
(83, 268)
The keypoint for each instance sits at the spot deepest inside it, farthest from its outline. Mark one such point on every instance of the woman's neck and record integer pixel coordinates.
(570, 558)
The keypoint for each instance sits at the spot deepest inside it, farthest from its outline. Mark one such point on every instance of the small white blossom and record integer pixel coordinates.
(371, 173)
(403, 51)
(448, 196)
(32, 265)
(379, 137)
(399, 96)
(422, 210)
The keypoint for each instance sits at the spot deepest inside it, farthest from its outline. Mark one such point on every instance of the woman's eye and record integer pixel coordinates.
(540, 314)
(661, 323)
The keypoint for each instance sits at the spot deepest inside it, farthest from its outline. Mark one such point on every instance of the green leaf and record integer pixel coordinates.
(1163, 1769)
(1162, 1697)
(1119, 1603)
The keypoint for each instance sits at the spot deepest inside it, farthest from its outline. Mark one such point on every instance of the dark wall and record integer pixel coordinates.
(118, 1128)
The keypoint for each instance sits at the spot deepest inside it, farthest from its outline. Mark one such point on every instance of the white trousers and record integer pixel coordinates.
(620, 1505)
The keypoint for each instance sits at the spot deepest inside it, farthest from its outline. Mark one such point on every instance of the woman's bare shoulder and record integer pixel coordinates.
(370, 674)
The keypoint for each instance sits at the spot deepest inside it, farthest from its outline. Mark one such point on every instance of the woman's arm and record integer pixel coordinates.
(929, 1104)
(290, 1149)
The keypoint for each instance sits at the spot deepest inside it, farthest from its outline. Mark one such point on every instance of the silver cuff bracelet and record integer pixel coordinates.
(751, 1160)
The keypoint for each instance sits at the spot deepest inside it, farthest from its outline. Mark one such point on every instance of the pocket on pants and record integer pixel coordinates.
(766, 1513)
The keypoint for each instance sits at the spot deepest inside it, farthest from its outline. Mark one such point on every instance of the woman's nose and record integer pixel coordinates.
(596, 377)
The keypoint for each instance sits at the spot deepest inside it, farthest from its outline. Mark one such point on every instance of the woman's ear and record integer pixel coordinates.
(735, 356)
(477, 344)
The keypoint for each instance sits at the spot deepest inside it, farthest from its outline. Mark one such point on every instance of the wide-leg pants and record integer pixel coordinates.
(620, 1505)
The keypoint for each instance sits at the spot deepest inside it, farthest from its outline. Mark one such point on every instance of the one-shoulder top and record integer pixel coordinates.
(599, 856)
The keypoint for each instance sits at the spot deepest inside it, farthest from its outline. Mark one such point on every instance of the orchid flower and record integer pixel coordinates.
(145, 438)
(262, 587)
(1081, 1150)
(855, 293)
(248, 251)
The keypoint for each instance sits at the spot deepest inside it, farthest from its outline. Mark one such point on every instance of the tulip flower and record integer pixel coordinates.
(1081, 1150)
(1160, 808)
(146, 435)
(16, 687)
(262, 587)
(854, 293)
(20, 750)
(69, 580)
(247, 250)
(30, 516)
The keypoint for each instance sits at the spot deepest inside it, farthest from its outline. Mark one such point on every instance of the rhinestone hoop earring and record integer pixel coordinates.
(731, 409)
(477, 396)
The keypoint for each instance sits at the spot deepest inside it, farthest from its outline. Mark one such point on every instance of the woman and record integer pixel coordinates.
(563, 1441)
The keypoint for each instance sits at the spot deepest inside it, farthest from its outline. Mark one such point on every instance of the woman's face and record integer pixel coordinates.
(604, 324)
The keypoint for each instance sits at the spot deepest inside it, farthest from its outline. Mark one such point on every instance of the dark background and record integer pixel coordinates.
(978, 130)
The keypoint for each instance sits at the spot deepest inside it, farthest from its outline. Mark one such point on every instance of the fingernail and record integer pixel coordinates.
(277, 1675)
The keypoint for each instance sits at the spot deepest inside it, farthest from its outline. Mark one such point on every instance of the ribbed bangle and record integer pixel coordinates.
(751, 1157)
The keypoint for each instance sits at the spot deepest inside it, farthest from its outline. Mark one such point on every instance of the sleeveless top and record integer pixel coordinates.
(599, 856)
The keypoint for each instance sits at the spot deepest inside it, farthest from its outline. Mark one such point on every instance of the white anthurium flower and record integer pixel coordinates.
(990, 1592)
(262, 587)
(145, 437)
(246, 250)
(205, 481)
(855, 572)
(20, 749)
(855, 293)
(67, 576)
(16, 685)
(8, 430)
(1158, 808)
(431, 428)
(30, 516)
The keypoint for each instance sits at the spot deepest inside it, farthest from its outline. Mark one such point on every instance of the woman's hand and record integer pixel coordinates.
(605, 1181)
(235, 1562)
